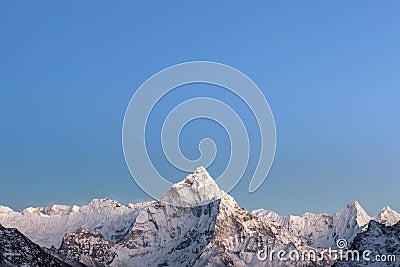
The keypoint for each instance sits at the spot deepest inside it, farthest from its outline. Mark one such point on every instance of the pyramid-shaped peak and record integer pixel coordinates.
(355, 207)
(388, 216)
(201, 171)
(387, 209)
(354, 212)
(198, 178)
(354, 204)
(198, 188)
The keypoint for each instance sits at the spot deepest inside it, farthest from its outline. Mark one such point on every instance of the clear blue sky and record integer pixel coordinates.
(329, 69)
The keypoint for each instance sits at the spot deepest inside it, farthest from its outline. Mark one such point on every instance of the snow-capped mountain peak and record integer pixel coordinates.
(36, 211)
(198, 179)
(356, 213)
(387, 216)
(55, 210)
(196, 189)
(4, 209)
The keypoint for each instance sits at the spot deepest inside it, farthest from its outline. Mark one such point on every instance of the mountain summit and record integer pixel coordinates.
(197, 189)
(388, 216)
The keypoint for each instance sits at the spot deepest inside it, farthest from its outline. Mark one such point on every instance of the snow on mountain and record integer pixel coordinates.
(272, 216)
(323, 230)
(240, 235)
(196, 189)
(382, 241)
(387, 216)
(4, 209)
(17, 250)
(348, 222)
(219, 233)
(161, 234)
(47, 226)
(194, 224)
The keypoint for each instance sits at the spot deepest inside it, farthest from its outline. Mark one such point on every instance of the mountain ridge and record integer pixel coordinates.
(194, 224)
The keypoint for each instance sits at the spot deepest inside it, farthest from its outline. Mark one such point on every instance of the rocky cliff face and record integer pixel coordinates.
(383, 243)
(18, 250)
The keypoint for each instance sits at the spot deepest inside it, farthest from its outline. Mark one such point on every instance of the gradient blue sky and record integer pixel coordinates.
(330, 71)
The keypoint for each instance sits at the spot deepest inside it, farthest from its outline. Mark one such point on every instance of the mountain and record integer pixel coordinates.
(323, 230)
(382, 241)
(17, 250)
(46, 226)
(195, 190)
(239, 236)
(194, 224)
(387, 216)
(218, 233)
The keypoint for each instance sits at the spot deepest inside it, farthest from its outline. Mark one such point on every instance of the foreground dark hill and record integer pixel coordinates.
(18, 250)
